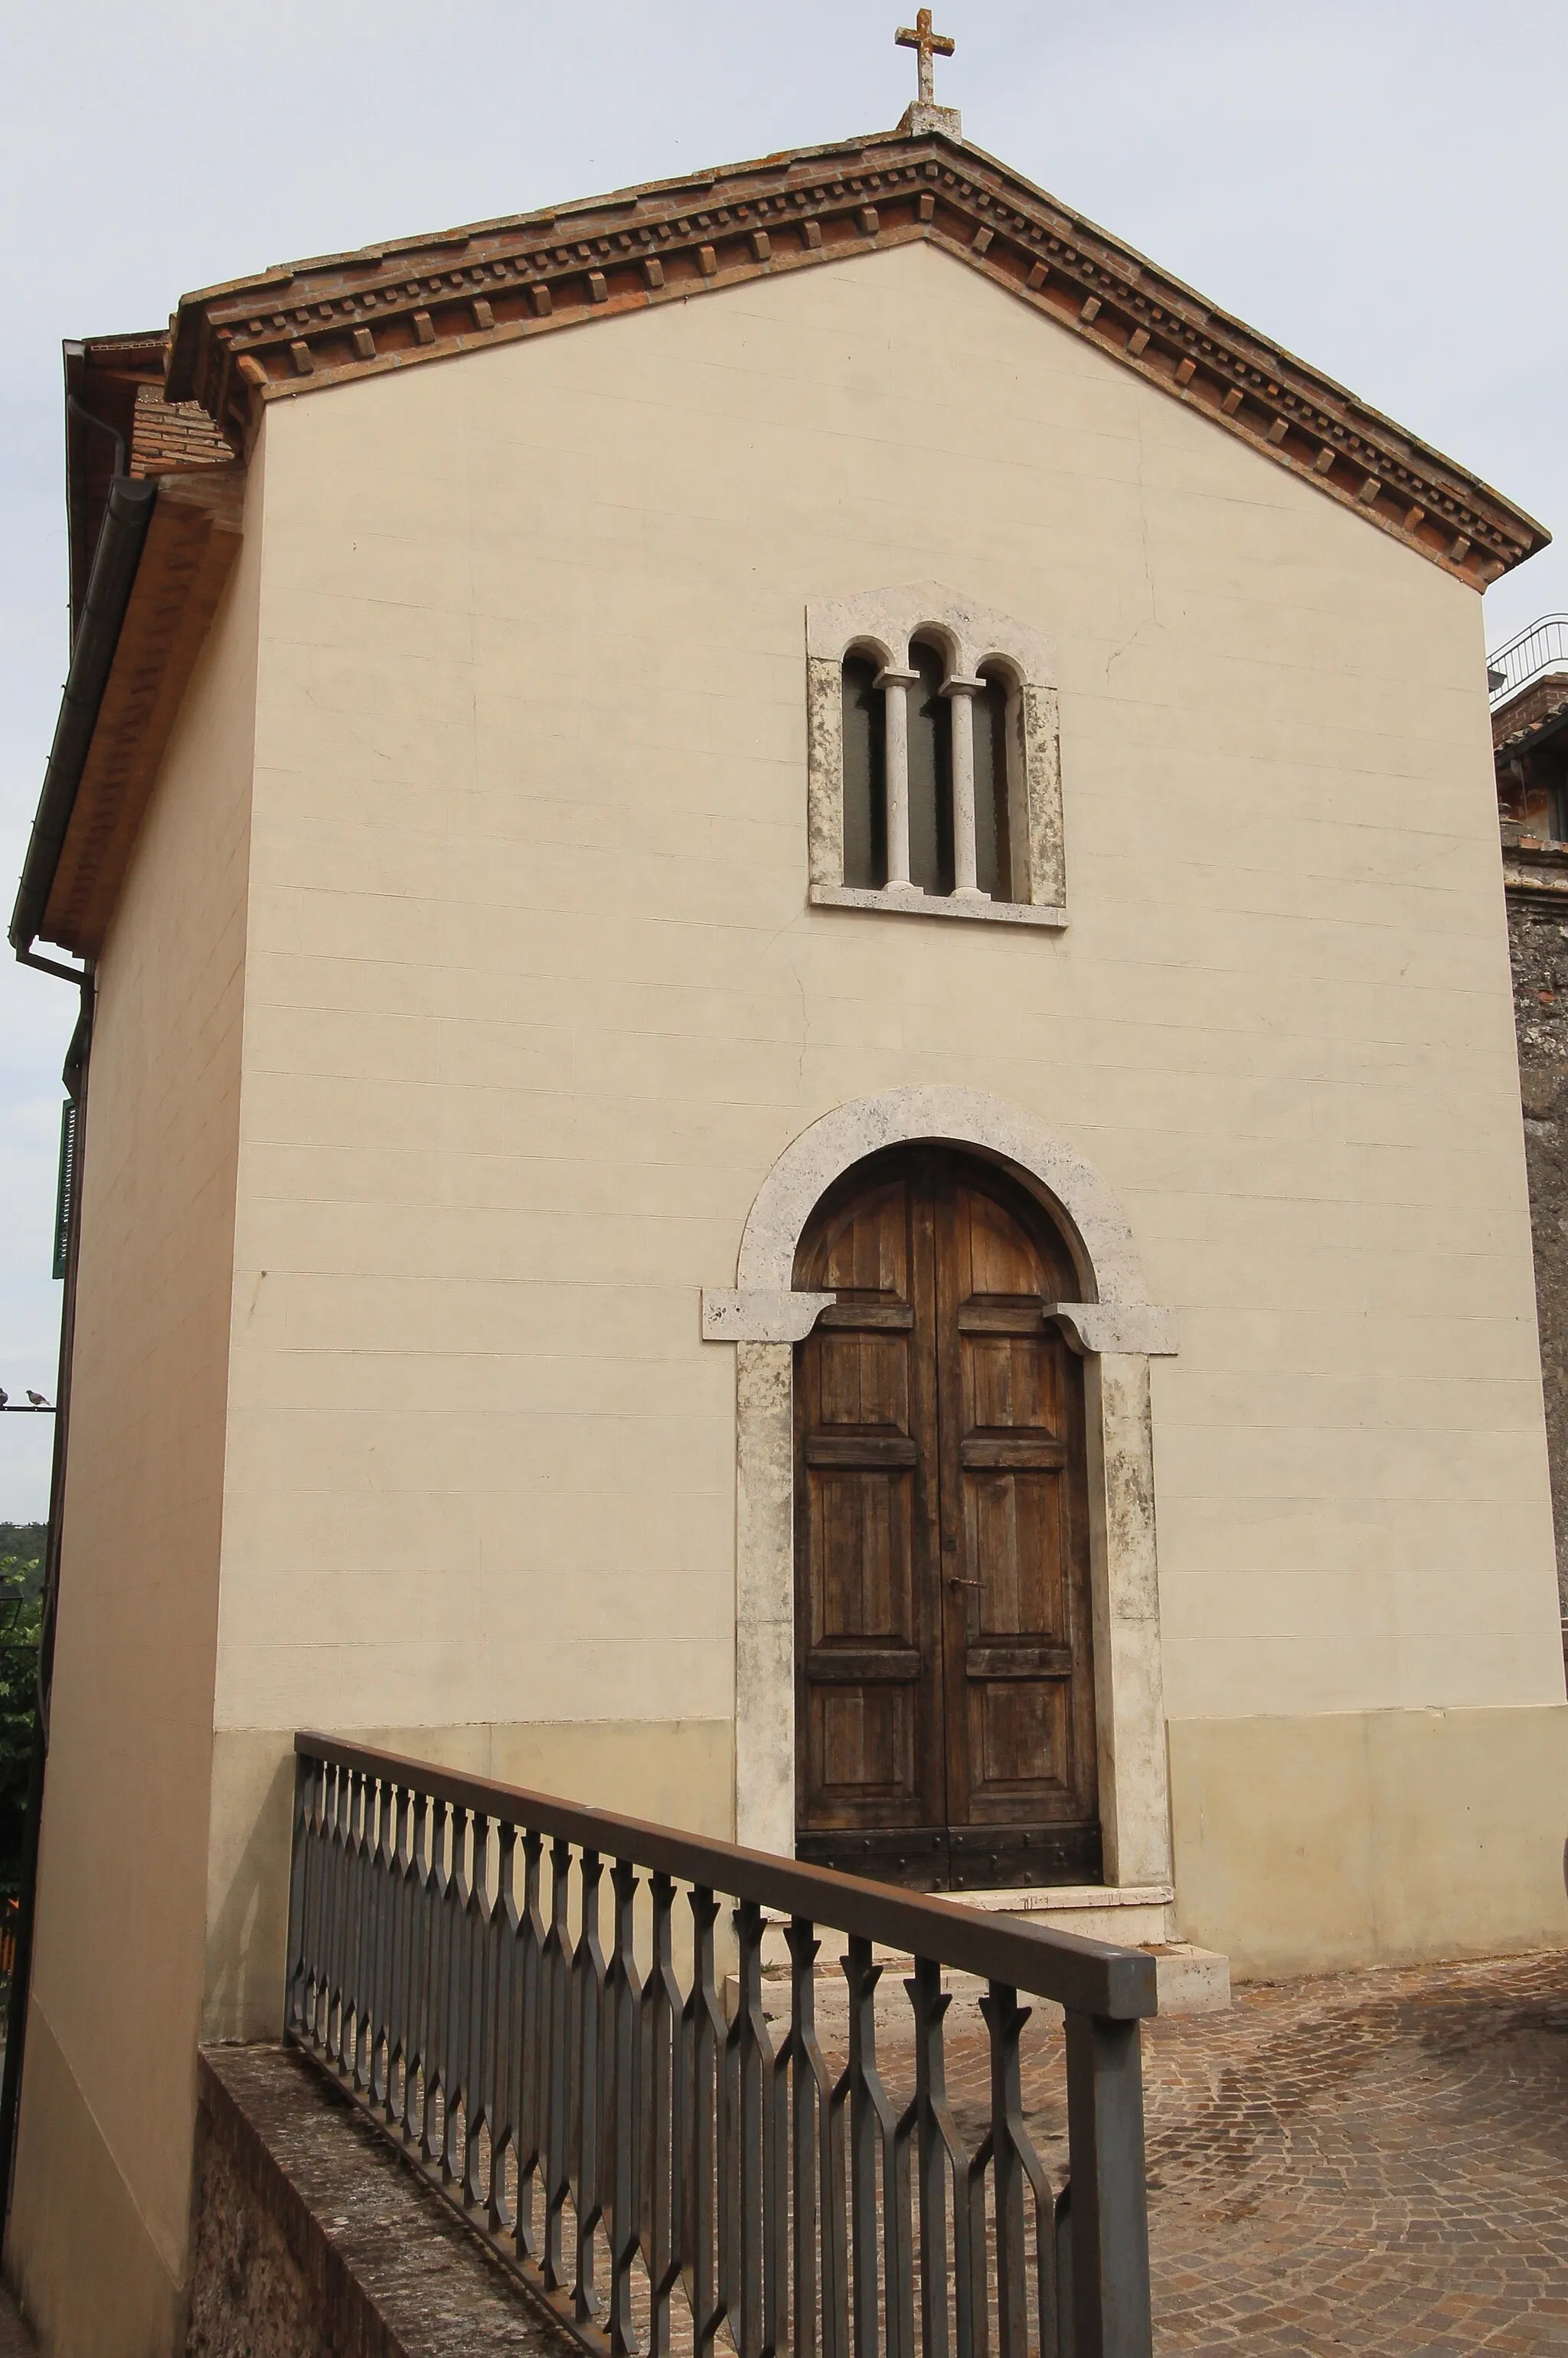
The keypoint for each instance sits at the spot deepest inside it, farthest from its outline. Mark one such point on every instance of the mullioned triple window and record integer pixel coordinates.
(935, 781)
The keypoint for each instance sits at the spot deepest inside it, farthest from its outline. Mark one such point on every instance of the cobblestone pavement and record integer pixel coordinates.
(1374, 2162)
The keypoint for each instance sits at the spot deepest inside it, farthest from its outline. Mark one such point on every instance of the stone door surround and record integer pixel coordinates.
(1118, 1330)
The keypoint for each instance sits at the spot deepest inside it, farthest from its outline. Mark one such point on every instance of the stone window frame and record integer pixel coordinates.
(882, 624)
(1116, 1328)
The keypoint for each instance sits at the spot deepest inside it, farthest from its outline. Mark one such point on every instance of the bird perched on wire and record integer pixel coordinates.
(4, 1398)
(37, 1397)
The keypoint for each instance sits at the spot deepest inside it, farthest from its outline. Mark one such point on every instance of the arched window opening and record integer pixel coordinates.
(993, 795)
(865, 777)
(930, 772)
(934, 754)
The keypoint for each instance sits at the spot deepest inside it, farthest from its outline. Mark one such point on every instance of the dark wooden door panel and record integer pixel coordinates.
(864, 1735)
(1020, 1731)
(1016, 1535)
(869, 1718)
(864, 1247)
(945, 1702)
(863, 1383)
(862, 1584)
(1019, 1686)
(1012, 1383)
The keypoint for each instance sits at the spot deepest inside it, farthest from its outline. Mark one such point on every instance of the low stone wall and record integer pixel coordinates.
(311, 2239)
(251, 2295)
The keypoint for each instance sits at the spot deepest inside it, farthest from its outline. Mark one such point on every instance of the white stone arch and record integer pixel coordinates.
(889, 619)
(1114, 1304)
(1115, 1326)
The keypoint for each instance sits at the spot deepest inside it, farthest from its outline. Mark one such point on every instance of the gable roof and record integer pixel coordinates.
(311, 325)
(150, 556)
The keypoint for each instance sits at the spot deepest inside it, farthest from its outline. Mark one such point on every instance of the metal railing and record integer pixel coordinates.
(689, 2137)
(1542, 647)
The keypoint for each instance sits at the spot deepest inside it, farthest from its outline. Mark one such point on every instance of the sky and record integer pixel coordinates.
(1372, 184)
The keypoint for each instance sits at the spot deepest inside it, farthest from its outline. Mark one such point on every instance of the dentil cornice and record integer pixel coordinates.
(315, 324)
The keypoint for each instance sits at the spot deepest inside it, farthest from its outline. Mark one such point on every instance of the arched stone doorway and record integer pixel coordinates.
(1109, 1320)
(945, 1729)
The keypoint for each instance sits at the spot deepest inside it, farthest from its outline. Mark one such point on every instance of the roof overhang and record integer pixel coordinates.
(312, 325)
(165, 550)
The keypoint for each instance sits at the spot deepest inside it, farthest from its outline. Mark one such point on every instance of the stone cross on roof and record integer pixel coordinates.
(925, 115)
(930, 45)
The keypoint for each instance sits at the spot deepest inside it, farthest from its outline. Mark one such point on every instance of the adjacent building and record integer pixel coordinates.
(1529, 739)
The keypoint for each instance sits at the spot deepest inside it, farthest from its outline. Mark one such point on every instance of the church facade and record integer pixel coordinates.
(803, 1113)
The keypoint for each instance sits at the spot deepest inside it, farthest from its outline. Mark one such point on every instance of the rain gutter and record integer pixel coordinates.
(109, 586)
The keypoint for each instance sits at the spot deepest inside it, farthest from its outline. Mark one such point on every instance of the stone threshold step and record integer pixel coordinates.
(1190, 1980)
(1133, 1915)
(1066, 1898)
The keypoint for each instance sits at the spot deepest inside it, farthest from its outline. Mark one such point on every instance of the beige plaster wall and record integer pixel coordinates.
(97, 2236)
(674, 1772)
(535, 1000)
(1370, 1837)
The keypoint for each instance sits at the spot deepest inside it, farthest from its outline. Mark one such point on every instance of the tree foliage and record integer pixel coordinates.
(21, 1592)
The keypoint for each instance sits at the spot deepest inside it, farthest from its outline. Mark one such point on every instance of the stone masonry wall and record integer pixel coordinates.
(250, 2298)
(1538, 939)
(311, 2238)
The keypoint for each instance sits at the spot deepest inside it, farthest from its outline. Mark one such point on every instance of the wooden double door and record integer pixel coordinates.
(945, 1680)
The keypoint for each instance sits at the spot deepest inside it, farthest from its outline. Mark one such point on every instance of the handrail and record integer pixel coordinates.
(1540, 646)
(625, 2142)
(1089, 1976)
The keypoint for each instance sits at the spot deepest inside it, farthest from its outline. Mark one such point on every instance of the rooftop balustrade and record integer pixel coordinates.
(1542, 647)
(697, 2134)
